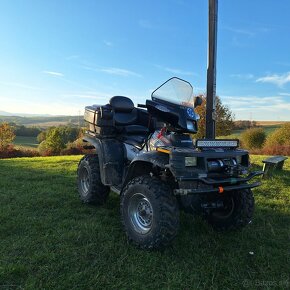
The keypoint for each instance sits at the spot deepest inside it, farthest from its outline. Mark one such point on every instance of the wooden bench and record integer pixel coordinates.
(271, 163)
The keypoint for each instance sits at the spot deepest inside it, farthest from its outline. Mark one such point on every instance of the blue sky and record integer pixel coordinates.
(57, 56)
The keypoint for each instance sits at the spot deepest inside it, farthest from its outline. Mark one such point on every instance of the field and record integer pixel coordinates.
(23, 141)
(42, 122)
(269, 128)
(49, 240)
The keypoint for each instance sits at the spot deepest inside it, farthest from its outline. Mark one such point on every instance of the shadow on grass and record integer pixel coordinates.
(50, 240)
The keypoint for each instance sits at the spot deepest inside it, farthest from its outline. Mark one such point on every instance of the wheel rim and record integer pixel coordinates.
(140, 213)
(224, 213)
(84, 181)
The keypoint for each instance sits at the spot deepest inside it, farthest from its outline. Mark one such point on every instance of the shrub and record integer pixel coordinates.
(75, 148)
(278, 143)
(277, 150)
(6, 136)
(253, 138)
(44, 149)
(280, 136)
(11, 152)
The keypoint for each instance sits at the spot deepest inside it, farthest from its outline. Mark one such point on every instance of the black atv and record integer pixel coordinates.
(147, 155)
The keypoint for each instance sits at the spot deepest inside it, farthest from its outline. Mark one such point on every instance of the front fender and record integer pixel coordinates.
(144, 163)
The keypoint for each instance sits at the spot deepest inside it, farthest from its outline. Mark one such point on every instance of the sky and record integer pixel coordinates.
(57, 56)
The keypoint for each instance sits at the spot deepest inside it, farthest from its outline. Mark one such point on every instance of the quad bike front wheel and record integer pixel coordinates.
(150, 213)
(237, 211)
(90, 187)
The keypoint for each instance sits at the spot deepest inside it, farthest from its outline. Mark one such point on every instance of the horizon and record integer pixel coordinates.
(60, 56)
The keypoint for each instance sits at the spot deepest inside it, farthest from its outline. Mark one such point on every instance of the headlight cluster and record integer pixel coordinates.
(190, 161)
(190, 125)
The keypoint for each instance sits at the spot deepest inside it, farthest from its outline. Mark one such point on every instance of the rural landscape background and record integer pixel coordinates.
(30, 133)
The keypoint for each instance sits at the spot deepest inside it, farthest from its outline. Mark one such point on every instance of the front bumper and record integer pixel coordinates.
(218, 186)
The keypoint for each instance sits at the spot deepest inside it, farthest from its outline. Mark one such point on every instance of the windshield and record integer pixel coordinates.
(175, 91)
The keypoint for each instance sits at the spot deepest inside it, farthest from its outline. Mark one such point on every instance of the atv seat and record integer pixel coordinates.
(129, 121)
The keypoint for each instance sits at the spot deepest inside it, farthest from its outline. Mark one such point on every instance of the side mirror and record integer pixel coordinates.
(197, 101)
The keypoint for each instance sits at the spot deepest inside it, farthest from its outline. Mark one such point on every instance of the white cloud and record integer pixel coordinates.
(240, 31)
(22, 86)
(119, 72)
(88, 95)
(270, 108)
(176, 71)
(285, 94)
(242, 76)
(276, 79)
(53, 73)
(113, 71)
(261, 108)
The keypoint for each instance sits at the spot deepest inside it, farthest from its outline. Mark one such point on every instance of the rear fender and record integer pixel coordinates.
(111, 159)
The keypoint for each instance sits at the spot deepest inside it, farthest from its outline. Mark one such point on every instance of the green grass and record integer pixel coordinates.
(270, 128)
(236, 134)
(267, 128)
(49, 240)
(23, 141)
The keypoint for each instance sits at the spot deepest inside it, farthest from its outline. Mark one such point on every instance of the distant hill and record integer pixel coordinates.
(41, 121)
(3, 113)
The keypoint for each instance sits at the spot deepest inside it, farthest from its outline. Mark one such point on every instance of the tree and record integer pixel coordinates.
(54, 140)
(224, 119)
(68, 133)
(6, 135)
(244, 124)
(21, 130)
(41, 136)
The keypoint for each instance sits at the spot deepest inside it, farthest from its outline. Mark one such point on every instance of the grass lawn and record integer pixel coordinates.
(49, 240)
(24, 141)
(267, 128)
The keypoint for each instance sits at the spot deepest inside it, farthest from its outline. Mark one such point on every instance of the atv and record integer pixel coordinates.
(147, 155)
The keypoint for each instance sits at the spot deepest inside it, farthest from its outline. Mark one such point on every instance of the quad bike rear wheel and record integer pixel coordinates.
(237, 211)
(90, 187)
(150, 213)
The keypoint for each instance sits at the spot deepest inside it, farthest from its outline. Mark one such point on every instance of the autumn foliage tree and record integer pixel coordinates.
(6, 135)
(224, 119)
(55, 139)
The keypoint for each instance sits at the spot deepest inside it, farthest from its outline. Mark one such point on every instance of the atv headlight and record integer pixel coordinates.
(190, 125)
(190, 161)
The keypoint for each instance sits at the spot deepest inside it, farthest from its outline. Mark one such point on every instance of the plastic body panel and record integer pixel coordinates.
(111, 157)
